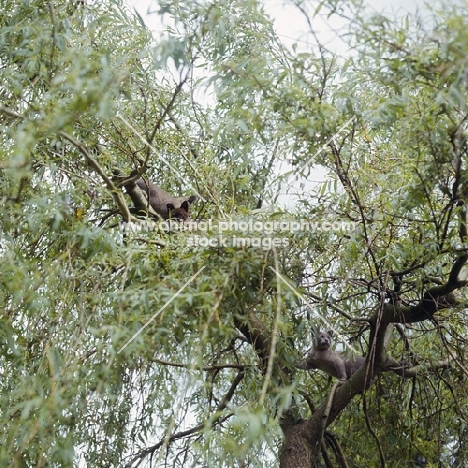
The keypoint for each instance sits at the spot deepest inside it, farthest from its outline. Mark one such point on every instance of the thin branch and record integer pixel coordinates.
(308, 399)
(166, 111)
(436, 298)
(11, 112)
(52, 51)
(227, 398)
(179, 128)
(178, 435)
(334, 307)
(324, 420)
(453, 356)
(413, 371)
(373, 433)
(116, 194)
(205, 368)
(274, 334)
(333, 441)
(325, 456)
(200, 427)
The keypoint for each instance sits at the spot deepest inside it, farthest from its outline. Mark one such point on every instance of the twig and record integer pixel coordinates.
(179, 435)
(116, 194)
(205, 368)
(165, 112)
(324, 420)
(52, 51)
(274, 334)
(373, 433)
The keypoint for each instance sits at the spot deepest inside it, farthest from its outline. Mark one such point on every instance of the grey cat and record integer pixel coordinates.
(331, 362)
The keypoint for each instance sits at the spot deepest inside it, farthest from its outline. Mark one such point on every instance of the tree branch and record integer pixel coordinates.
(413, 371)
(166, 111)
(11, 112)
(179, 435)
(205, 368)
(257, 335)
(116, 194)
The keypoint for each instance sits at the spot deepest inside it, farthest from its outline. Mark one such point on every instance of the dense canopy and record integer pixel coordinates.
(126, 341)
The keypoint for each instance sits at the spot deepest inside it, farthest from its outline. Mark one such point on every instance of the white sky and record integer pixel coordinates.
(290, 23)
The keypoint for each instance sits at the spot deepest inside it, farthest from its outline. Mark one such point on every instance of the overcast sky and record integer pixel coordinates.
(291, 24)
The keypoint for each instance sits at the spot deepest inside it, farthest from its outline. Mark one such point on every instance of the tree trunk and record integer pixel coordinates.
(302, 441)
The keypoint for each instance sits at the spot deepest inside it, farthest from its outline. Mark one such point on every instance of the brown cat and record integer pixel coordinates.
(165, 205)
(331, 362)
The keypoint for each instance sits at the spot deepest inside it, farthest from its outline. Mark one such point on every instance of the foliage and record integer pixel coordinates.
(125, 343)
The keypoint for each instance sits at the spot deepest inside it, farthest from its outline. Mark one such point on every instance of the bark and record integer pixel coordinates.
(302, 441)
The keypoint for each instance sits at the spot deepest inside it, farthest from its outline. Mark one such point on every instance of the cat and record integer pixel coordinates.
(164, 205)
(331, 362)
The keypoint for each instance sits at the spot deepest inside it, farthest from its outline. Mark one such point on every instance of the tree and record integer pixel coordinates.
(130, 343)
